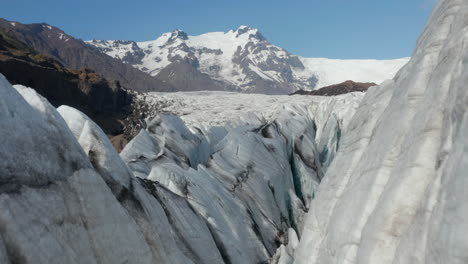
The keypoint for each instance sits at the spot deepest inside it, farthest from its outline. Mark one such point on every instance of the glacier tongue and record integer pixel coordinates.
(207, 194)
(396, 191)
(250, 180)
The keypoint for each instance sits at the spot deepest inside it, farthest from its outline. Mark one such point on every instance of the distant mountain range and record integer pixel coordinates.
(239, 60)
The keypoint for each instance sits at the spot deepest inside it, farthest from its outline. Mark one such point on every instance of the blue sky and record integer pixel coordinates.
(376, 29)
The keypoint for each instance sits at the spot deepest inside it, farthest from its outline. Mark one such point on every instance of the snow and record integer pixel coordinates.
(64, 37)
(159, 54)
(118, 50)
(259, 72)
(333, 71)
(13, 24)
(396, 191)
(227, 42)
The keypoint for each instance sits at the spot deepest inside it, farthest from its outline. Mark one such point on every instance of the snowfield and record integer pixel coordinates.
(334, 71)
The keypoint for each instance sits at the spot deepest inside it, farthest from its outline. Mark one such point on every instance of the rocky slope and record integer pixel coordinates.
(396, 191)
(105, 101)
(239, 60)
(75, 54)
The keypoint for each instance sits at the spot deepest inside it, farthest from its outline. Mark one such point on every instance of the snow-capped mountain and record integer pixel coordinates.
(240, 60)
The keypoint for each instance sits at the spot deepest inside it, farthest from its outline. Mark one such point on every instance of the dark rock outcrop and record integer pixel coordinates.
(183, 75)
(337, 89)
(104, 101)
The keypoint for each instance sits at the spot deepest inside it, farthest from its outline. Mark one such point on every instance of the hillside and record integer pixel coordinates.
(75, 54)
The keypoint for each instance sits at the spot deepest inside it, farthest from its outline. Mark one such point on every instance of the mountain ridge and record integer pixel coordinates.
(75, 54)
(244, 60)
(240, 60)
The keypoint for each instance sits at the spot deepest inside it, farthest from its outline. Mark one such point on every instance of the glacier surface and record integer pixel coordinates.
(176, 194)
(396, 191)
(232, 178)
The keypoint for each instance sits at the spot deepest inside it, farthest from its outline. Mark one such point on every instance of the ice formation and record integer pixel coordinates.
(345, 179)
(396, 191)
(214, 194)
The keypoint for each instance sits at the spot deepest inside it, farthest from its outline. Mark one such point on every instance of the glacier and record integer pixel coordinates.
(217, 177)
(226, 192)
(396, 191)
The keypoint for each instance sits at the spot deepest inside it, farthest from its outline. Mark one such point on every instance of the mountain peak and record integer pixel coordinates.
(178, 34)
(253, 32)
(243, 29)
(46, 26)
